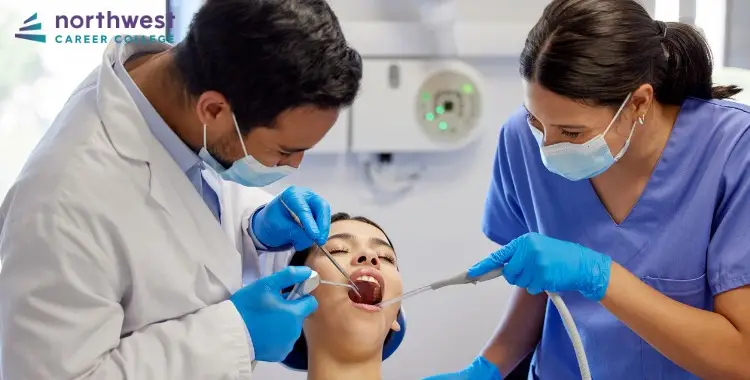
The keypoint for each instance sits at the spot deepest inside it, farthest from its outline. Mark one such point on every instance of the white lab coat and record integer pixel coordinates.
(113, 267)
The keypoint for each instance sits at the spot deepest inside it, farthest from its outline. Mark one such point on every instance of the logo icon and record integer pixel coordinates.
(28, 27)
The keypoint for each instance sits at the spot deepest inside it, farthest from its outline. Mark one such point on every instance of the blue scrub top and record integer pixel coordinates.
(687, 236)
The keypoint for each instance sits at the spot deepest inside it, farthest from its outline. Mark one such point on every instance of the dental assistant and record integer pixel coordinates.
(134, 241)
(624, 185)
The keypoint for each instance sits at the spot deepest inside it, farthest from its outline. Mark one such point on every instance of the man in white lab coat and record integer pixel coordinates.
(115, 257)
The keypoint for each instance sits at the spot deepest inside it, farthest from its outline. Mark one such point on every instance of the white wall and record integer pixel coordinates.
(435, 228)
(738, 29)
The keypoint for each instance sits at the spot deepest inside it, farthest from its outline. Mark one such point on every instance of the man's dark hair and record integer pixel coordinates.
(599, 51)
(268, 56)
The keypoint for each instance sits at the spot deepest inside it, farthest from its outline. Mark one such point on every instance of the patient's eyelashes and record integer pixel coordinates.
(388, 257)
(383, 256)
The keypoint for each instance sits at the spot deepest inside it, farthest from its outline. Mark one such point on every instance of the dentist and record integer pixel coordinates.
(114, 239)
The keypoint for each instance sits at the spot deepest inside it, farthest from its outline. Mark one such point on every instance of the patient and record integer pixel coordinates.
(348, 337)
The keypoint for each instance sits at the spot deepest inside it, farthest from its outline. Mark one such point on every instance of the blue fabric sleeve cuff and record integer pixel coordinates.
(730, 283)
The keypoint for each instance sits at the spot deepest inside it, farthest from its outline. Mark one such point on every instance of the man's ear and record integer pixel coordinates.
(395, 326)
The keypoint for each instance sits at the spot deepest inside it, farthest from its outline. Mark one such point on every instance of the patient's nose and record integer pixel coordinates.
(368, 258)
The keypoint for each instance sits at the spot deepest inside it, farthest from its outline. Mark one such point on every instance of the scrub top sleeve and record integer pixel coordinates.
(503, 219)
(729, 250)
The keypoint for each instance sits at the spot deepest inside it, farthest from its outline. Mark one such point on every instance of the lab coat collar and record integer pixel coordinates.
(126, 126)
(124, 123)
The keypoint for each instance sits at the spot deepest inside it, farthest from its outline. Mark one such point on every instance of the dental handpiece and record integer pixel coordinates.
(460, 279)
(306, 287)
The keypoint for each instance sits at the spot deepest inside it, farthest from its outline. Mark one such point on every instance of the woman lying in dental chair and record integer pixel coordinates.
(347, 337)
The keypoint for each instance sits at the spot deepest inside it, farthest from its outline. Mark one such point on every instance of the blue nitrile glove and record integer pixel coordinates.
(540, 263)
(274, 227)
(274, 323)
(479, 369)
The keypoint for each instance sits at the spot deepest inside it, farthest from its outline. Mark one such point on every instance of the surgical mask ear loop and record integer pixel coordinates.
(239, 134)
(611, 123)
(630, 136)
(204, 138)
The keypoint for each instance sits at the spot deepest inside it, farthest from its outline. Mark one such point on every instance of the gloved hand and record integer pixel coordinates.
(274, 227)
(479, 369)
(540, 263)
(274, 324)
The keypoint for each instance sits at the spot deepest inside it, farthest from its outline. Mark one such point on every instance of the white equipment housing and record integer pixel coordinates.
(416, 106)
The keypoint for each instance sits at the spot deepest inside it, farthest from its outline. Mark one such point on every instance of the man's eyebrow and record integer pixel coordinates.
(287, 149)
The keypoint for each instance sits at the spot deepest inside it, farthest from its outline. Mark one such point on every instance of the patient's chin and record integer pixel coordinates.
(347, 329)
(355, 333)
(360, 345)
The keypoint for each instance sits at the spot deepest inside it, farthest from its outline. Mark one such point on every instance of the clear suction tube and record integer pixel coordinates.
(575, 338)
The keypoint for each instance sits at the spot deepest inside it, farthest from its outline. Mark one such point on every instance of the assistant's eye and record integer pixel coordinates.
(569, 134)
(532, 120)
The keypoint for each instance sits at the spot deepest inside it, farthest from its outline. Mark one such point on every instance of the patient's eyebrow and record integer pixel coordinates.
(375, 241)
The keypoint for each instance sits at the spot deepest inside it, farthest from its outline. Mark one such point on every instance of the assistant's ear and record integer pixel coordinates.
(641, 101)
(395, 326)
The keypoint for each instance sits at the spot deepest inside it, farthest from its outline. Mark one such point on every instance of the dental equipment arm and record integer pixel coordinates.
(459, 279)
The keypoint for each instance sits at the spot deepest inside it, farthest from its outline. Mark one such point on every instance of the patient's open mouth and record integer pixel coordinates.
(370, 285)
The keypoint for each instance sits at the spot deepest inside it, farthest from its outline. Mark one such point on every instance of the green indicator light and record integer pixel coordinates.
(430, 116)
(439, 110)
(425, 96)
(469, 89)
(443, 125)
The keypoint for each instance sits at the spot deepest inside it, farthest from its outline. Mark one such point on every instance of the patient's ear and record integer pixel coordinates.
(395, 326)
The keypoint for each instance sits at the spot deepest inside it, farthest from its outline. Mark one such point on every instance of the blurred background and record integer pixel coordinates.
(430, 201)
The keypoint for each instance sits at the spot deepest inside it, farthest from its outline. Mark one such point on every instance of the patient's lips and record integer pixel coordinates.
(370, 285)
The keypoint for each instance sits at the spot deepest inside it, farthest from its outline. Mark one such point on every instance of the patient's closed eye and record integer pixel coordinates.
(387, 257)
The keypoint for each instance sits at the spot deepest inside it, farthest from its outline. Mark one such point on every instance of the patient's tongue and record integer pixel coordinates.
(369, 293)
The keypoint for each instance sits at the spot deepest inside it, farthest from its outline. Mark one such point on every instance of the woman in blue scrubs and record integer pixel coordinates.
(624, 184)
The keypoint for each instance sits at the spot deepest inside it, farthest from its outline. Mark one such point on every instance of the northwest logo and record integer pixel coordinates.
(26, 27)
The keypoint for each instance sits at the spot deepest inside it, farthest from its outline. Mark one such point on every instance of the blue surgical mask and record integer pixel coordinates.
(246, 171)
(581, 161)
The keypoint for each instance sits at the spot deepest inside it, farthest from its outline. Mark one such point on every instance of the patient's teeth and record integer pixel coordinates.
(368, 279)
